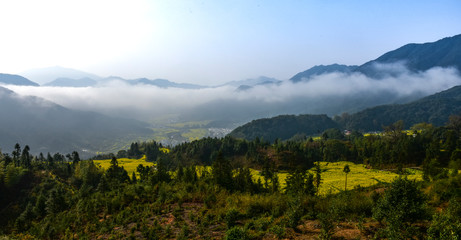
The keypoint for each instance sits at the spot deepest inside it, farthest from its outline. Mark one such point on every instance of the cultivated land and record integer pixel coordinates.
(333, 177)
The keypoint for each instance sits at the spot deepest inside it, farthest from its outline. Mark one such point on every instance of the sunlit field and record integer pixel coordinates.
(130, 165)
(333, 177)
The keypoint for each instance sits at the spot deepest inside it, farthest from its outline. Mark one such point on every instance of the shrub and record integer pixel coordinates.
(236, 233)
(279, 231)
(327, 226)
(402, 204)
(232, 215)
(447, 225)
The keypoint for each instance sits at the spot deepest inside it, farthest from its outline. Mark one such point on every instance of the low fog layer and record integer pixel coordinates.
(329, 93)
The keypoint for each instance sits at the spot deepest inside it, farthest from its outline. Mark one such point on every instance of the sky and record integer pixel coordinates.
(213, 42)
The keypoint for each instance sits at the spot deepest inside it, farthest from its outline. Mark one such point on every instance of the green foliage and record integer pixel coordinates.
(232, 215)
(236, 233)
(300, 182)
(402, 204)
(447, 225)
(327, 226)
(222, 172)
(284, 127)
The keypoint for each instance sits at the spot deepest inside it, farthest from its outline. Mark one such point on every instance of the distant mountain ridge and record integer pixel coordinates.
(69, 82)
(420, 57)
(48, 127)
(322, 69)
(163, 83)
(13, 79)
(50, 74)
(444, 53)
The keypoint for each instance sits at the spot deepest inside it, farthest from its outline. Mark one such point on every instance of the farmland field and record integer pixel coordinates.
(130, 165)
(333, 177)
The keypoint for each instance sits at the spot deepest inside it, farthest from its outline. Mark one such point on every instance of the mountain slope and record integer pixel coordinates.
(419, 57)
(16, 80)
(321, 69)
(69, 82)
(163, 83)
(284, 127)
(46, 75)
(415, 57)
(48, 127)
(433, 109)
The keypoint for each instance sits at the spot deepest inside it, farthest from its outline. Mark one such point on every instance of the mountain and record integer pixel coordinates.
(69, 82)
(413, 57)
(419, 57)
(322, 69)
(49, 74)
(284, 127)
(16, 80)
(163, 83)
(433, 109)
(48, 127)
(262, 80)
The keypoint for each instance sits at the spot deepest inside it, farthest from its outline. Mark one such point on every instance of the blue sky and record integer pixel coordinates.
(212, 42)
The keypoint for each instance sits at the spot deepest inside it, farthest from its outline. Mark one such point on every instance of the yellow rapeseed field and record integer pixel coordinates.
(333, 177)
(130, 165)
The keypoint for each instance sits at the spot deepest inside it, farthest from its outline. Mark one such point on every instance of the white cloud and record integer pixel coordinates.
(149, 102)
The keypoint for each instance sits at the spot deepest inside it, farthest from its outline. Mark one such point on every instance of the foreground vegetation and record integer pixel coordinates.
(238, 189)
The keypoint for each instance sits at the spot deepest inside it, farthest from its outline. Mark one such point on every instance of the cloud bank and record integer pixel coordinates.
(332, 93)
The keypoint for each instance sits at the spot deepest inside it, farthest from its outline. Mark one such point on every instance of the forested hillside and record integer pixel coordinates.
(284, 127)
(434, 109)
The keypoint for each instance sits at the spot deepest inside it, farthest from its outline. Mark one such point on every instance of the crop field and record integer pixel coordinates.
(333, 177)
(130, 165)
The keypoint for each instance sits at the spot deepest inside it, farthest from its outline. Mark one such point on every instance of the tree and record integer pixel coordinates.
(133, 178)
(75, 157)
(115, 173)
(16, 154)
(298, 182)
(222, 172)
(346, 170)
(25, 157)
(402, 204)
(318, 176)
(50, 161)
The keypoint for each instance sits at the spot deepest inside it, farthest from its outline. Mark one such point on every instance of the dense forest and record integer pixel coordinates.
(205, 190)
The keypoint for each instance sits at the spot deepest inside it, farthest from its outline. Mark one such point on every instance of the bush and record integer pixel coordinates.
(447, 225)
(327, 225)
(232, 215)
(402, 204)
(278, 231)
(236, 233)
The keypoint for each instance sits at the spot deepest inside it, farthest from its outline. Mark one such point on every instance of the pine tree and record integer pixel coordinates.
(222, 172)
(346, 170)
